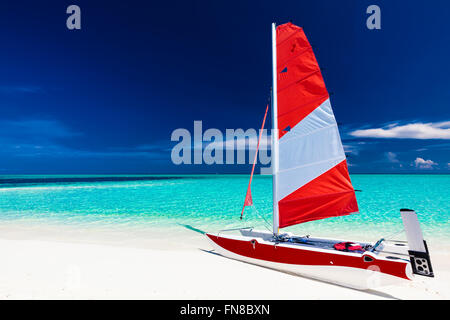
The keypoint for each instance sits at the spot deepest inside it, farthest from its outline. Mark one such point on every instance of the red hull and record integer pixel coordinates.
(299, 255)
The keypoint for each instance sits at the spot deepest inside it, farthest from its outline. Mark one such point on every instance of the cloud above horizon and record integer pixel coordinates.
(423, 131)
(421, 163)
(392, 157)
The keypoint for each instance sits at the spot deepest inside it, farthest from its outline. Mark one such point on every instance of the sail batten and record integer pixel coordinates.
(312, 174)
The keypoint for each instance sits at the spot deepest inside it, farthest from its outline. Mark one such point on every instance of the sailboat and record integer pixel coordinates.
(310, 181)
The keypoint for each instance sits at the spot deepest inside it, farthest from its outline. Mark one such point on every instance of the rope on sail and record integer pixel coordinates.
(248, 197)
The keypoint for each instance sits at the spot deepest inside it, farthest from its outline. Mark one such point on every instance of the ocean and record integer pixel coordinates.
(214, 202)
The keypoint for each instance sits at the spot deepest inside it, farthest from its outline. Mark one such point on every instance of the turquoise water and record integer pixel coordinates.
(213, 202)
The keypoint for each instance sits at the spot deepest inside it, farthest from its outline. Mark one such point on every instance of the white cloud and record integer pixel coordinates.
(392, 157)
(354, 147)
(424, 164)
(431, 130)
(350, 148)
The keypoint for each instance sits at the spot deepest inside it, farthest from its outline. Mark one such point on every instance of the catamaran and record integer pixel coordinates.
(310, 181)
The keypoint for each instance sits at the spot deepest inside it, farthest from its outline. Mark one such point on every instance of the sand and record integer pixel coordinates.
(59, 266)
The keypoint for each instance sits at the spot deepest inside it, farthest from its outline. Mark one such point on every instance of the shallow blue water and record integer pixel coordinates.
(213, 202)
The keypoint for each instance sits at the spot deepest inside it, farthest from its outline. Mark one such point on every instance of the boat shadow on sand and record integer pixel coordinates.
(369, 291)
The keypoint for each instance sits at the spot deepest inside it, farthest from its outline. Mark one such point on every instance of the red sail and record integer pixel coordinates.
(313, 180)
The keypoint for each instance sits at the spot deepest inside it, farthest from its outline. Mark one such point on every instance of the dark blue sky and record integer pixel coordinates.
(106, 98)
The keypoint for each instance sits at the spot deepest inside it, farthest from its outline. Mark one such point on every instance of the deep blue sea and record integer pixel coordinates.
(214, 202)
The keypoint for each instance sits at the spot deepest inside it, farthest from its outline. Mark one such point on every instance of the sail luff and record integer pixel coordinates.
(274, 149)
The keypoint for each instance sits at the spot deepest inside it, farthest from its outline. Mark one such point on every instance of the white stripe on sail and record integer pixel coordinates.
(308, 150)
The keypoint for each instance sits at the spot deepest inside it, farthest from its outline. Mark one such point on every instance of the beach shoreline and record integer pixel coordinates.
(65, 265)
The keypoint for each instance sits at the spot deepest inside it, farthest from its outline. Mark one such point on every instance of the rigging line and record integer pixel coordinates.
(268, 226)
(248, 197)
(394, 234)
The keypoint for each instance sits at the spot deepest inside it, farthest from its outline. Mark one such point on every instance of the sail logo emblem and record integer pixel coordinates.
(283, 74)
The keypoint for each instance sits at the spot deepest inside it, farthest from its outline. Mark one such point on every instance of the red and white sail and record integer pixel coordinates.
(311, 179)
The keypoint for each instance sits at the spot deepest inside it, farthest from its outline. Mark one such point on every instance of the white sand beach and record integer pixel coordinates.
(66, 265)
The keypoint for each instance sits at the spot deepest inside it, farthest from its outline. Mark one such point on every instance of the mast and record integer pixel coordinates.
(274, 131)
